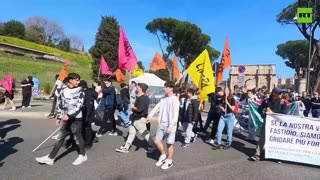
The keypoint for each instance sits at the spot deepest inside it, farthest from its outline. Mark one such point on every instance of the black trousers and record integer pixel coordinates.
(108, 115)
(72, 126)
(88, 118)
(215, 119)
(195, 126)
(148, 125)
(26, 97)
(54, 104)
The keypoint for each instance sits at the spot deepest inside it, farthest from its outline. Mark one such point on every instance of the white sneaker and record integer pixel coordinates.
(122, 149)
(13, 109)
(29, 107)
(23, 107)
(113, 133)
(166, 165)
(98, 135)
(161, 161)
(2, 107)
(211, 141)
(56, 137)
(80, 159)
(45, 160)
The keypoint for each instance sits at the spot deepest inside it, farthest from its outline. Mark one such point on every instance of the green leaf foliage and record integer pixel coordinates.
(106, 44)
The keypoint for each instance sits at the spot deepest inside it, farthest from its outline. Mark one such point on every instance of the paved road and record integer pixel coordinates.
(23, 134)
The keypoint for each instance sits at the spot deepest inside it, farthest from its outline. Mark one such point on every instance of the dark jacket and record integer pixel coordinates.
(278, 106)
(215, 102)
(109, 96)
(190, 114)
(90, 95)
(125, 97)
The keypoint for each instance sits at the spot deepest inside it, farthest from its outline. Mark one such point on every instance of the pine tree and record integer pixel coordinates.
(106, 44)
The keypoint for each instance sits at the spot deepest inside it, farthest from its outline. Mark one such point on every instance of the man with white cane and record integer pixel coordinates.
(70, 115)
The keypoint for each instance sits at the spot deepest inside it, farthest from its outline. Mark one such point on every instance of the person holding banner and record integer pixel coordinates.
(274, 104)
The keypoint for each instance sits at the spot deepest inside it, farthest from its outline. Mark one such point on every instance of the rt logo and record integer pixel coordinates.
(304, 15)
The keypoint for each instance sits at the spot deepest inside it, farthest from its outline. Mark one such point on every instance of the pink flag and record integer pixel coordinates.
(6, 83)
(127, 58)
(104, 67)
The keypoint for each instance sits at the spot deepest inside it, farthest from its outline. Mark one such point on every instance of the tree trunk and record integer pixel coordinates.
(316, 86)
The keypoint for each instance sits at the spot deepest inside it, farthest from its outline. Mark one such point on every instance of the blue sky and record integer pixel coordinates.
(251, 25)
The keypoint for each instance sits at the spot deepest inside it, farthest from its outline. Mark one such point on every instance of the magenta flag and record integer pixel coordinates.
(127, 58)
(104, 67)
(6, 83)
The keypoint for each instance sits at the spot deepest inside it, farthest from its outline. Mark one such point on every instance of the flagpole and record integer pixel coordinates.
(99, 74)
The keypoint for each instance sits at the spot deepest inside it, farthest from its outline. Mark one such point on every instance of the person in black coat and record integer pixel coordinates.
(124, 110)
(190, 116)
(274, 104)
(90, 95)
(26, 86)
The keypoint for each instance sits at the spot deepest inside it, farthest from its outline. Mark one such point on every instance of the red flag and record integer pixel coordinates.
(63, 72)
(157, 63)
(126, 58)
(175, 68)
(104, 68)
(119, 76)
(225, 61)
(6, 83)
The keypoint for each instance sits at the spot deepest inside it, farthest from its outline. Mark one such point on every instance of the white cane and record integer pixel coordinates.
(46, 139)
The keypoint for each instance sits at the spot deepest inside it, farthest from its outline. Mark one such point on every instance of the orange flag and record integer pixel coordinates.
(119, 76)
(175, 69)
(63, 72)
(225, 61)
(157, 63)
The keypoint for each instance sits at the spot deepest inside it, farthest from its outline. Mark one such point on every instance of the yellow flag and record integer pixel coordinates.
(137, 71)
(201, 73)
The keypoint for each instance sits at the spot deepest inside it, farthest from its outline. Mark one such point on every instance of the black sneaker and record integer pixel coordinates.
(150, 149)
(194, 138)
(227, 146)
(217, 146)
(185, 145)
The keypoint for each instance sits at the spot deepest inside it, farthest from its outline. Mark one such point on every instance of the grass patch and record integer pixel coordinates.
(80, 60)
(45, 71)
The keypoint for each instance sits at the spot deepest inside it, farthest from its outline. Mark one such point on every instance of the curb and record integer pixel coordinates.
(24, 114)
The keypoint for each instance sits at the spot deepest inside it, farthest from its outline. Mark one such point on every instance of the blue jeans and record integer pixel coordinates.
(226, 120)
(124, 116)
(315, 113)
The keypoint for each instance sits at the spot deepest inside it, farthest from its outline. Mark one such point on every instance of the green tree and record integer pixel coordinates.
(287, 16)
(140, 65)
(295, 54)
(182, 38)
(64, 45)
(14, 28)
(35, 34)
(51, 31)
(1, 28)
(106, 44)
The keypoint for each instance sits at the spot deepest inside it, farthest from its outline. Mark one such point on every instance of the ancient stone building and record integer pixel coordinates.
(253, 76)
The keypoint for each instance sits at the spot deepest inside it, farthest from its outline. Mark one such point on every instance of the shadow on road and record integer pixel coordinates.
(7, 126)
(7, 145)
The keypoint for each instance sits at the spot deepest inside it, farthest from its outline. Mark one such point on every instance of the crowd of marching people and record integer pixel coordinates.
(77, 107)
